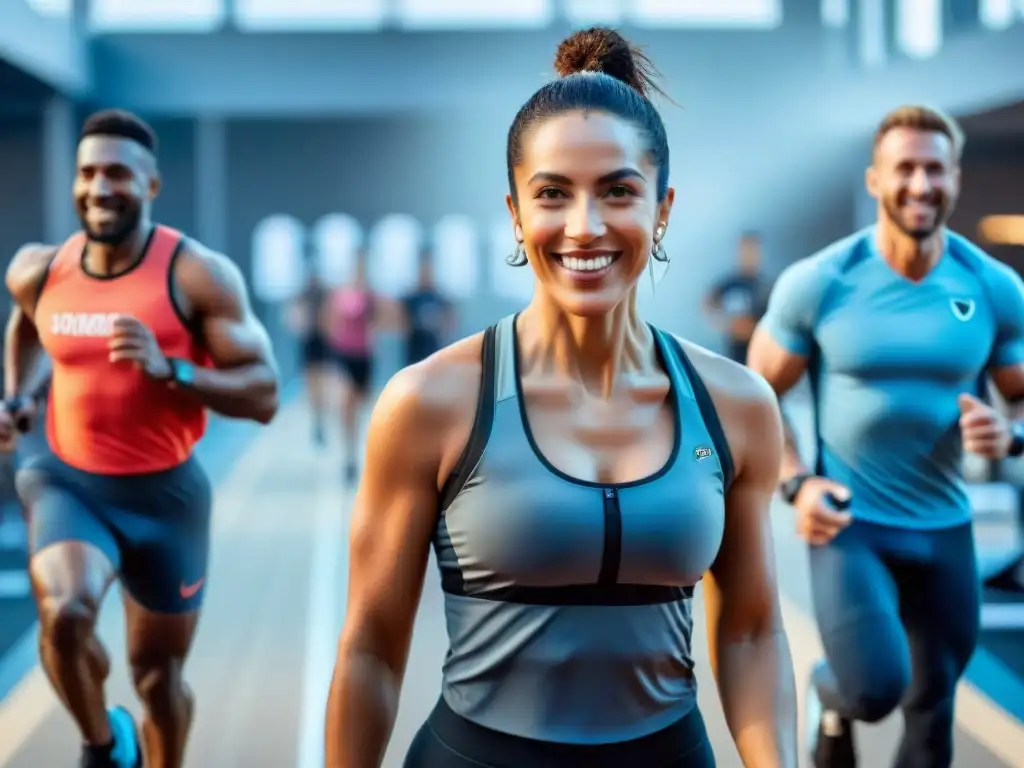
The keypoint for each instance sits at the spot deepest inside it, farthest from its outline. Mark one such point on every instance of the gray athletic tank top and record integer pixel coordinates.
(568, 602)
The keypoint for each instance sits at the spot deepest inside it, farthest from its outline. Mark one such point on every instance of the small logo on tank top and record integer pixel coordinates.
(963, 309)
(82, 323)
(702, 452)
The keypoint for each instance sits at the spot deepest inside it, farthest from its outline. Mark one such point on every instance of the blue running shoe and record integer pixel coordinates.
(127, 752)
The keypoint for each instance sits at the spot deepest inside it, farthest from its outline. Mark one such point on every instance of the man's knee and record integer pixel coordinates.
(871, 668)
(66, 623)
(160, 685)
(877, 691)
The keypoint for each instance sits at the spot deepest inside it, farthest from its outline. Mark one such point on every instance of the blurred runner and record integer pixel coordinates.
(736, 302)
(429, 319)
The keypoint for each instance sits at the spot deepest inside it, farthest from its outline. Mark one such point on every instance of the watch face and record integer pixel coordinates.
(184, 372)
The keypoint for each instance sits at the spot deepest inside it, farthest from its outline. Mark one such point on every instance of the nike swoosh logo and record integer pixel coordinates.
(188, 591)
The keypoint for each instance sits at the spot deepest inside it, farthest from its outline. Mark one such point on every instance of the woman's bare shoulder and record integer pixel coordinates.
(746, 404)
(432, 404)
(447, 378)
(727, 379)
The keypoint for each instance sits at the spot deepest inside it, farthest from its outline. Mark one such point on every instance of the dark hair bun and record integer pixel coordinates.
(599, 49)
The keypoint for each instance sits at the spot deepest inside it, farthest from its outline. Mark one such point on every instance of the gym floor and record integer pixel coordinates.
(263, 657)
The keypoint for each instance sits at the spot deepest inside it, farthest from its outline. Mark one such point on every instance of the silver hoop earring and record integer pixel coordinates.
(518, 257)
(658, 253)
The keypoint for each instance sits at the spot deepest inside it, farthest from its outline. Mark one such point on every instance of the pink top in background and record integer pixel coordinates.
(351, 311)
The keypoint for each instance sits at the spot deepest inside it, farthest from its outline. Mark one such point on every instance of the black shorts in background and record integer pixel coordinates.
(357, 368)
(315, 350)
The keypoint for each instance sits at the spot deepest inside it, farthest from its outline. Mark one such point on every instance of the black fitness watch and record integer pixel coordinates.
(183, 372)
(1016, 449)
(16, 406)
(790, 489)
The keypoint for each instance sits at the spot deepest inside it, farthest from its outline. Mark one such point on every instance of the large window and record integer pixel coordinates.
(515, 283)
(336, 241)
(999, 14)
(393, 261)
(708, 13)
(58, 9)
(278, 266)
(313, 15)
(156, 15)
(871, 32)
(581, 12)
(474, 14)
(919, 27)
(835, 14)
(456, 257)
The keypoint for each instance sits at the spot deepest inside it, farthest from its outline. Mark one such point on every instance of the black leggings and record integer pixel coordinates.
(447, 740)
(898, 612)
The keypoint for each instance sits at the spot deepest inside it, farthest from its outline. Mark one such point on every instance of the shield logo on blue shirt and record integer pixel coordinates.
(963, 309)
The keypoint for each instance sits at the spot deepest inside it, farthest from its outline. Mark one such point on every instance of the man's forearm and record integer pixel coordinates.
(29, 377)
(758, 693)
(245, 392)
(37, 381)
(26, 367)
(792, 465)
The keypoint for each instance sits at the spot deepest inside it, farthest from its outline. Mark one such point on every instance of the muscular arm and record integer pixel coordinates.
(782, 342)
(244, 381)
(1009, 381)
(749, 651)
(782, 369)
(392, 523)
(1007, 364)
(26, 367)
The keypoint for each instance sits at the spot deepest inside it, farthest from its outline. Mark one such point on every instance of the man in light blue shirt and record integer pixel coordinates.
(899, 327)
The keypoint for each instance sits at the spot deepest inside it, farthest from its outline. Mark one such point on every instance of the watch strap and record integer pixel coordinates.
(790, 489)
(176, 365)
(1016, 449)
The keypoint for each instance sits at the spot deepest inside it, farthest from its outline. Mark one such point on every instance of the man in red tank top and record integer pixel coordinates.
(145, 330)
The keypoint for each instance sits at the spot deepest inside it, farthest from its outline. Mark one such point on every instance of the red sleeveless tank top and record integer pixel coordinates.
(110, 418)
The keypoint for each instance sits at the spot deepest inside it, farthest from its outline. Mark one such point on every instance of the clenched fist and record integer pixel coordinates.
(985, 432)
(130, 340)
(821, 510)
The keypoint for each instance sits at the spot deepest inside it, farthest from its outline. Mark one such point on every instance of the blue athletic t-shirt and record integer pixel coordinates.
(888, 358)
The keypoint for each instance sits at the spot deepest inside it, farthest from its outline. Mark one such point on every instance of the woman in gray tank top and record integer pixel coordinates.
(576, 471)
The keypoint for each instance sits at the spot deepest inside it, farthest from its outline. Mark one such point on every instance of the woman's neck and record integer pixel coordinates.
(595, 351)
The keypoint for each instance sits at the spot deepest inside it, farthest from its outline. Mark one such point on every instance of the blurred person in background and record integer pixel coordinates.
(577, 471)
(898, 326)
(428, 318)
(307, 319)
(145, 330)
(735, 303)
(350, 317)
